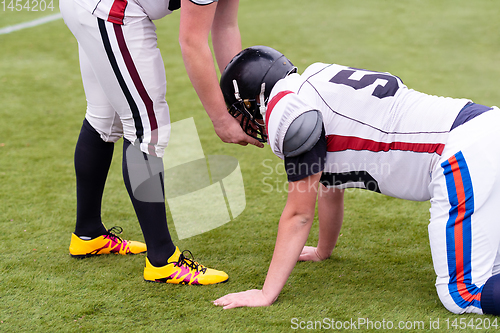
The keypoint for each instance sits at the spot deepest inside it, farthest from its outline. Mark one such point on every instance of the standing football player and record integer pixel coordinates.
(125, 85)
(331, 121)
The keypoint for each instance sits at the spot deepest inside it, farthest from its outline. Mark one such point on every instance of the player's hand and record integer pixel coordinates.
(310, 253)
(250, 298)
(230, 131)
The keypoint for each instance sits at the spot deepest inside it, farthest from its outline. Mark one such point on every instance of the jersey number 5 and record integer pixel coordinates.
(369, 78)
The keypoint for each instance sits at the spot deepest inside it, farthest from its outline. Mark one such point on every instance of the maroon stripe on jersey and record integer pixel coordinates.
(272, 104)
(117, 12)
(337, 143)
(129, 62)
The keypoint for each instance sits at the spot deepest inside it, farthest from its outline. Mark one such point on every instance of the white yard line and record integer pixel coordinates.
(29, 24)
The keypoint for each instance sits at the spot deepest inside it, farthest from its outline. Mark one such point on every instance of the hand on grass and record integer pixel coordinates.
(310, 253)
(250, 298)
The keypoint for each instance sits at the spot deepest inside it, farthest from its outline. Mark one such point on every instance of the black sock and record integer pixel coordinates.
(490, 296)
(148, 200)
(92, 160)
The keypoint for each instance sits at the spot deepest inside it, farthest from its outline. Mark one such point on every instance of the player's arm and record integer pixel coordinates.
(226, 38)
(293, 230)
(196, 23)
(304, 148)
(331, 216)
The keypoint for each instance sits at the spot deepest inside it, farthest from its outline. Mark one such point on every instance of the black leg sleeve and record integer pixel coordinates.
(92, 160)
(143, 176)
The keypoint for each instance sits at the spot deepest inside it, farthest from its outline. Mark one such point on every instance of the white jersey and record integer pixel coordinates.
(129, 11)
(380, 134)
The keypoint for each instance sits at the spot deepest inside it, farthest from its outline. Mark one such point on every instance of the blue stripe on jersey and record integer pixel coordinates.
(459, 232)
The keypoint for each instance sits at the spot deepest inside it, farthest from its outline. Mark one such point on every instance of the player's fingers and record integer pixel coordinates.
(305, 257)
(231, 305)
(307, 250)
(224, 299)
(249, 140)
(309, 253)
(257, 143)
(219, 301)
(226, 302)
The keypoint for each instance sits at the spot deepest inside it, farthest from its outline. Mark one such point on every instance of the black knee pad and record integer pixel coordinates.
(490, 296)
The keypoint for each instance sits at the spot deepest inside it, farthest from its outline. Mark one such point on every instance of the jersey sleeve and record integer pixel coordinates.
(284, 107)
(308, 163)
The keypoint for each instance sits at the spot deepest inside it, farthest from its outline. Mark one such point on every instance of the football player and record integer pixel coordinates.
(125, 85)
(330, 122)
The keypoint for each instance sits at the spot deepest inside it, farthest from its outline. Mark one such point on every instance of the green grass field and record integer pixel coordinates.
(381, 269)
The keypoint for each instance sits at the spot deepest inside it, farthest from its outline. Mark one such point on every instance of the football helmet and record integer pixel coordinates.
(246, 84)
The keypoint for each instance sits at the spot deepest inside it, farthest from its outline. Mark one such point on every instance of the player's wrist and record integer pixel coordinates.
(322, 254)
(269, 298)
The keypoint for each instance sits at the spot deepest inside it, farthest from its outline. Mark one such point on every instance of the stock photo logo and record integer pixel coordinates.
(202, 192)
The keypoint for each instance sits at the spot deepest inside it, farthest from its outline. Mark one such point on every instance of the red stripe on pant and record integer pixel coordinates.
(134, 74)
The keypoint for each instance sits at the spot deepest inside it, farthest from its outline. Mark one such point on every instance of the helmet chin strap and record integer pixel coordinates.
(262, 103)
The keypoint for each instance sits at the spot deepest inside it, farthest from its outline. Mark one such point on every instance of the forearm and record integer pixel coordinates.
(201, 71)
(195, 26)
(331, 216)
(196, 23)
(292, 235)
(293, 229)
(226, 38)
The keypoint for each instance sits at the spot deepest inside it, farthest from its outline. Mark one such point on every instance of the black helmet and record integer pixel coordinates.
(252, 73)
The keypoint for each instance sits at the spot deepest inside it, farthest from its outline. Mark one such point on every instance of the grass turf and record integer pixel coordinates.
(381, 268)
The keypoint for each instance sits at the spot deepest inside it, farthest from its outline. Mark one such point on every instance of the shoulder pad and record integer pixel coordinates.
(303, 133)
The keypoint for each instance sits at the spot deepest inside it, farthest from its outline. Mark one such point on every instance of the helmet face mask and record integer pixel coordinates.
(248, 113)
(246, 84)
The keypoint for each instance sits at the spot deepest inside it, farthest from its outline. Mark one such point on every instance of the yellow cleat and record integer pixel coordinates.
(105, 244)
(182, 270)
